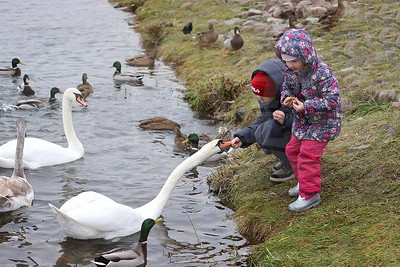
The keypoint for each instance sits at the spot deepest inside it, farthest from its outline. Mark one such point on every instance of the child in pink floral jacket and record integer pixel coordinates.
(311, 89)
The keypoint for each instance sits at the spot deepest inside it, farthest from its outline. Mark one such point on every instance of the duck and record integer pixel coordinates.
(187, 29)
(207, 37)
(179, 140)
(158, 123)
(15, 191)
(14, 70)
(332, 15)
(291, 21)
(224, 134)
(91, 215)
(25, 88)
(85, 87)
(194, 140)
(33, 103)
(129, 256)
(38, 152)
(234, 41)
(125, 77)
(142, 60)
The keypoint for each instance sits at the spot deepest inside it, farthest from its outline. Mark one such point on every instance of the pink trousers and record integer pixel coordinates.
(305, 159)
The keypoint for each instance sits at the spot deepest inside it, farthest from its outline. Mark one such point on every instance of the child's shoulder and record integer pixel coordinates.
(322, 72)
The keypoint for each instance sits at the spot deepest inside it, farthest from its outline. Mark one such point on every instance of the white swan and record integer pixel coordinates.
(15, 191)
(38, 152)
(92, 215)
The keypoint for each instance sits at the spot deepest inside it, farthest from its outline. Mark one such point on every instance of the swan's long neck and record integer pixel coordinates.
(19, 152)
(154, 208)
(73, 142)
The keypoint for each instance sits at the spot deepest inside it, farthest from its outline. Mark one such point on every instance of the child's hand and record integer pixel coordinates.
(298, 106)
(236, 143)
(288, 102)
(279, 116)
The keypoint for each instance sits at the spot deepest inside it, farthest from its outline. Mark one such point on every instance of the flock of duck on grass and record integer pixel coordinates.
(233, 42)
(91, 215)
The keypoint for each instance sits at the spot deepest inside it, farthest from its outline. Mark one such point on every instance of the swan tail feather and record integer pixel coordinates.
(67, 224)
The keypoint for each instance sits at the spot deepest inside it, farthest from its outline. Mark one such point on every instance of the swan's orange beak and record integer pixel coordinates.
(225, 144)
(80, 100)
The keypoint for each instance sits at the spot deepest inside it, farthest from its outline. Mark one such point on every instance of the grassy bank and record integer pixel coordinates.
(357, 223)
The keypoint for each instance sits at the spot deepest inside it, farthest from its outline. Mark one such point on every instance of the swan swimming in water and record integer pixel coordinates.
(38, 152)
(92, 215)
(15, 191)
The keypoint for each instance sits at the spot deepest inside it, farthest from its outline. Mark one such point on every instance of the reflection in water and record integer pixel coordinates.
(189, 254)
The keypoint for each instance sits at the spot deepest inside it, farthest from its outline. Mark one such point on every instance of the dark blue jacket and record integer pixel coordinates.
(275, 69)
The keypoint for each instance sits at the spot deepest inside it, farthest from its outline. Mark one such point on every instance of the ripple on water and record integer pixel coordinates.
(59, 41)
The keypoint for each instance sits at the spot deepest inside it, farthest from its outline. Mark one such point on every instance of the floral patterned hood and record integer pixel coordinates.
(297, 43)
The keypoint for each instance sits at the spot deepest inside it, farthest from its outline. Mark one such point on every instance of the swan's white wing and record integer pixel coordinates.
(102, 214)
(38, 153)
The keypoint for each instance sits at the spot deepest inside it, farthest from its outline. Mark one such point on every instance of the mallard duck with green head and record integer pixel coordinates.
(125, 77)
(234, 42)
(129, 256)
(25, 88)
(33, 103)
(14, 70)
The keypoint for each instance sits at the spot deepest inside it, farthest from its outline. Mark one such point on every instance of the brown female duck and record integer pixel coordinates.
(142, 60)
(332, 15)
(207, 37)
(158, 123)
(85, 87)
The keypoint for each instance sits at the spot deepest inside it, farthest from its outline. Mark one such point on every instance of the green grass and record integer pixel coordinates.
(357, 223)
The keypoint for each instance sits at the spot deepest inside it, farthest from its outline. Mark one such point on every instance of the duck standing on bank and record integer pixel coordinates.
(333, 15)
(14, 70)
(234, 41)
(129, 256)
(15, 191)
(207, 37)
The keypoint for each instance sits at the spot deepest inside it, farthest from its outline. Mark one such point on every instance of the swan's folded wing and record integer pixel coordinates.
(97, 211)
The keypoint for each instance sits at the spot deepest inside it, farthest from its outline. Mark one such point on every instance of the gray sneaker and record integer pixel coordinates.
(282, 175)
(294, 191)
(302, 204)
(277, 166)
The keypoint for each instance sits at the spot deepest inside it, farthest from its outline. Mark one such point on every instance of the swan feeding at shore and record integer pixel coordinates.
(92, 215)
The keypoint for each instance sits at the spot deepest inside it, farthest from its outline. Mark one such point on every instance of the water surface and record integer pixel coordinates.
(59, 40)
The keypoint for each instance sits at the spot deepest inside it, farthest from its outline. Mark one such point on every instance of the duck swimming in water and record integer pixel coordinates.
(129, 256)
(125, 77)
(25, 88)
(14, 70)
(33, 103)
